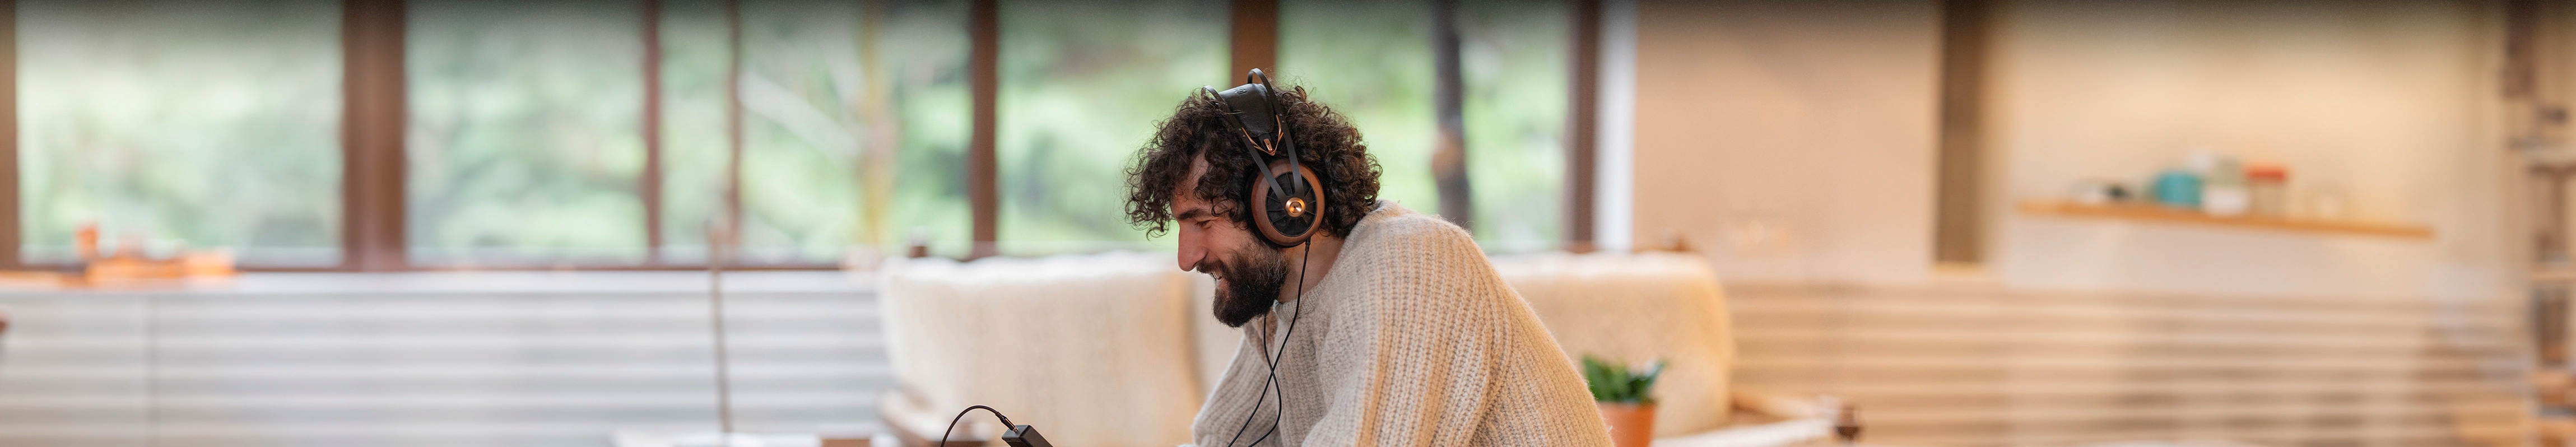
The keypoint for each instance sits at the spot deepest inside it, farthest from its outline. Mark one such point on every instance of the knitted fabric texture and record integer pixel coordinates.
(1410, 340)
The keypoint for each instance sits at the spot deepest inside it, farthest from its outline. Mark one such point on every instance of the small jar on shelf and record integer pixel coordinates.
(2268, 184)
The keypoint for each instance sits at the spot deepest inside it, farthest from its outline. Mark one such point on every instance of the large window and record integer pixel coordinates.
(614, 133)
(525, 142)
(851, 135)
(1372, 61)
(205, 124)
(529, 145)
(1082, 85)
(923, 65)
(1514, 56)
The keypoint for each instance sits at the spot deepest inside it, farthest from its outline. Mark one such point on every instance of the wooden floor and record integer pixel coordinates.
(432, 365)
(1970, 367)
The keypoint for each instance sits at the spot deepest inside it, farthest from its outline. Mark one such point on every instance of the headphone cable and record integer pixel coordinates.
(961, 415)
(1276, 416)
(1300, 312)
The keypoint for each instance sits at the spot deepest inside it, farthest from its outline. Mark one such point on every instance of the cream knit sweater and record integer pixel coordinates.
(1410, 340)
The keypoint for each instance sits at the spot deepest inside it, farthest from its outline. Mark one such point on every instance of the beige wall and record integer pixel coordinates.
(2387, 105)
(1791, 142)
(1818, 126)
(1797, 143)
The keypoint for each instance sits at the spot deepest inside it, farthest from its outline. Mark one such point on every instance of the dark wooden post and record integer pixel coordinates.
(371, 136)
(1255, 39)
(1448, 93)
(649, 188)
(1959, 220)
(984, 27)
(9, 225)
(1583, 127)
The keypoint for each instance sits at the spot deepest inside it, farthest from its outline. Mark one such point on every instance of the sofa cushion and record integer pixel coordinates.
(1632, 308)
(1095, 350)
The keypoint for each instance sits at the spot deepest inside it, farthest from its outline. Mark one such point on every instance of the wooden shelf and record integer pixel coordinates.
(2152, 213)
(2561, 274)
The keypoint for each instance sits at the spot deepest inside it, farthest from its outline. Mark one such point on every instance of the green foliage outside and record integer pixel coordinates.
(1371, 60)
(525, 136)
(573, 190)
(187, 123)
(216, 124)
(1083, 83)
(806, 126)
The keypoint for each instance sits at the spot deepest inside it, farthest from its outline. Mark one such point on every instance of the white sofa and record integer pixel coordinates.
(1119, 350)
(1632, 308)
(1095, 350)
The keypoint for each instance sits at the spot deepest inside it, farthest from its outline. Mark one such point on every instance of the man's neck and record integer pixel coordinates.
(1317, 257)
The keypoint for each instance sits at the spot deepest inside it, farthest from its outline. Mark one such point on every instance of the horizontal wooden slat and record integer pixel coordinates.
(1967, 366)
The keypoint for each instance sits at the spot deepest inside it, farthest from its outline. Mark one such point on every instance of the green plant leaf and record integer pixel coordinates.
(1612, 382)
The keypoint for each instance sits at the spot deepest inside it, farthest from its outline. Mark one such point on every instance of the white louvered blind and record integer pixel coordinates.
(434, 359)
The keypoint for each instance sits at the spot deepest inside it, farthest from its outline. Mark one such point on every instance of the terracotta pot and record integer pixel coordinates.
(1631, 425)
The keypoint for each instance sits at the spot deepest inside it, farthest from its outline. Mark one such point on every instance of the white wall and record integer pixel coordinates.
(1615, 212)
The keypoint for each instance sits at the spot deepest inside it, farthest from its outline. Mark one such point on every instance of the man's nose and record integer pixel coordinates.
(1191, 250)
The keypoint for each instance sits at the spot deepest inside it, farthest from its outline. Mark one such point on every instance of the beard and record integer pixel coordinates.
(1251, 283)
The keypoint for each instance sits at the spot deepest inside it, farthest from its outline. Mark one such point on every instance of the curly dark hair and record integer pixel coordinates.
(1326, 143)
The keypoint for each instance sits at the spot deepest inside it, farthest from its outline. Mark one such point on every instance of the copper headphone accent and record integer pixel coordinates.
(1296, 207)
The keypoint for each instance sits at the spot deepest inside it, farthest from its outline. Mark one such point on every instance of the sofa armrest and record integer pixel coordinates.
(1839, 418)
(1779, 406)
(1789, 432)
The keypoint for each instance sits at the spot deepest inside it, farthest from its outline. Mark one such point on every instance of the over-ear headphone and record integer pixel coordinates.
(1285, 215)
(1287, 200)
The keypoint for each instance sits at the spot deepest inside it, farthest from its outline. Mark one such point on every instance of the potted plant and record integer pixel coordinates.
(1625, 397)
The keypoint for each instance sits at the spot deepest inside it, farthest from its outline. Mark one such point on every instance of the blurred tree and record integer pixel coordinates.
(1082, 84)
(805, 89)
(1372, 61)
(204, 123)
(1514, 57)
(525, 142)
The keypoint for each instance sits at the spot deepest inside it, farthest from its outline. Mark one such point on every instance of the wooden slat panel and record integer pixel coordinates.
(1974, 367)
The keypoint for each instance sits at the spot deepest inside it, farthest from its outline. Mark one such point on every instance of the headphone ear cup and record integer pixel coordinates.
(1287, 221)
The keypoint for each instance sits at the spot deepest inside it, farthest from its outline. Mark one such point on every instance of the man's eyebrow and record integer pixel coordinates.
(1192, 213)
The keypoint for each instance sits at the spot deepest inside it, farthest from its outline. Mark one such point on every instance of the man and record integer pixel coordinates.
(1387, 327)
